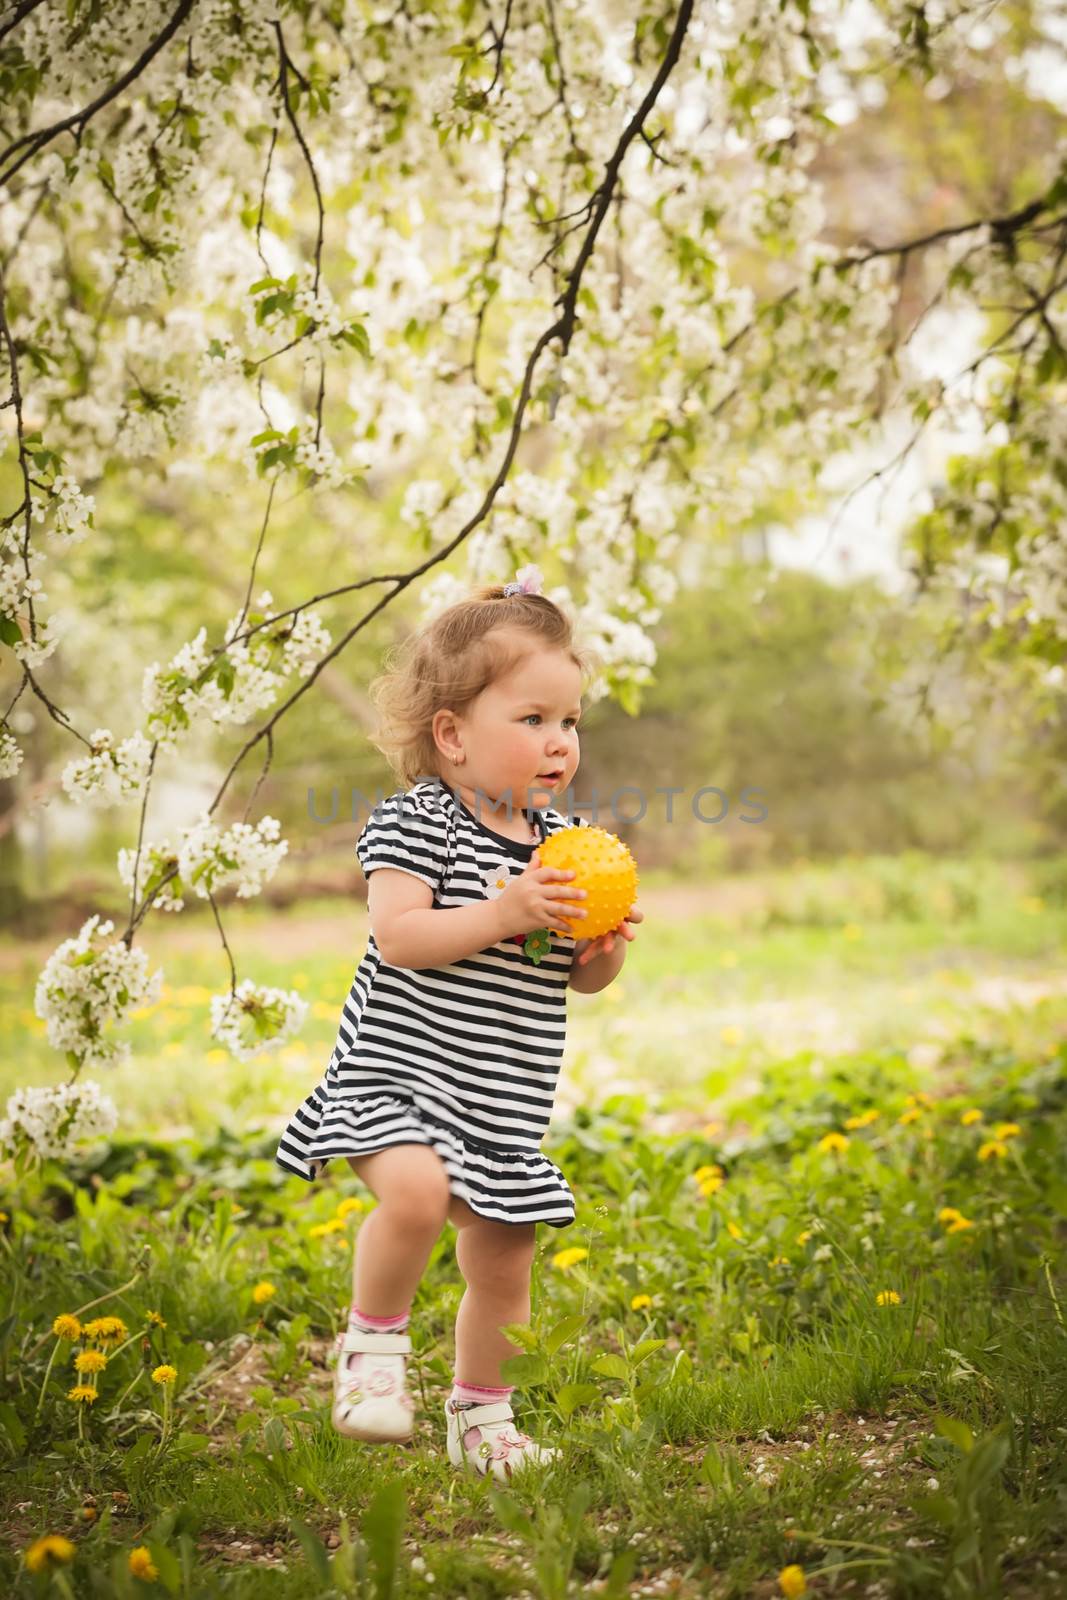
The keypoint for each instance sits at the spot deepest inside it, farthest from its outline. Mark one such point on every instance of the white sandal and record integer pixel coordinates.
(486, 1439)
(372, 1402)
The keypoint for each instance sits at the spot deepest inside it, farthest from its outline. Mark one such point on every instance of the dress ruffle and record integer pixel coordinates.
(502, 1185)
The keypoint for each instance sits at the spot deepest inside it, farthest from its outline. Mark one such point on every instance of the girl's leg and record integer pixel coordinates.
(495, 1259)
(394, 1242)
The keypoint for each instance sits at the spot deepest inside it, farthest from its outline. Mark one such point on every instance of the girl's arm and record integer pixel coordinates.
(598, 972)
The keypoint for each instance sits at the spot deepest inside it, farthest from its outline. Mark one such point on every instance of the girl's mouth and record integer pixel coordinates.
(551, 777)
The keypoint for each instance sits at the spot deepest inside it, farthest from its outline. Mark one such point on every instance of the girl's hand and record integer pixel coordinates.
(538, 899)
(588, 949)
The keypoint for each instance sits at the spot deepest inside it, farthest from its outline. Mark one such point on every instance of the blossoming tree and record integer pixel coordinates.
(514, 279)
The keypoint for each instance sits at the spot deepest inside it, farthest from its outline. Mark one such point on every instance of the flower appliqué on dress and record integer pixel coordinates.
(536, 944)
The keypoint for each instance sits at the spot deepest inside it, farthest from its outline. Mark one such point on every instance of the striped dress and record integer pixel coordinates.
(463, 1057)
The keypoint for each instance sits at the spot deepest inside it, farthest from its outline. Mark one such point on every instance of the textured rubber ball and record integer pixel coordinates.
(604, 867)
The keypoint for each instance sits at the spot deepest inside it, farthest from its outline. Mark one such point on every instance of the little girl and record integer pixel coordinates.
(441, 1082)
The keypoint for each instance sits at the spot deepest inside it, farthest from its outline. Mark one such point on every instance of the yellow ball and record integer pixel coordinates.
(603, 867)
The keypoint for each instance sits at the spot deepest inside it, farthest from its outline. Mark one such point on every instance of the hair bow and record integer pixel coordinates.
(527, 581)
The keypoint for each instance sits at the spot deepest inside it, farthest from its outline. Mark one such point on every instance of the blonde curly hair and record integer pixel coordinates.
(449, 662)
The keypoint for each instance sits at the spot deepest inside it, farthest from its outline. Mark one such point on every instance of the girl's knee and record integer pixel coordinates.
(410, 1182)
(496, 1256)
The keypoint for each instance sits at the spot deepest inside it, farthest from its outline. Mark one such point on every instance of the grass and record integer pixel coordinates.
(731, 1397)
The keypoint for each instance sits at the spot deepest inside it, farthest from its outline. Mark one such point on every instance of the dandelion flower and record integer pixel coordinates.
(992, 1148)
(971, 1116)
(164, 1373)
(710, 1186)
(912, 1114)
(780, 1261)
(142, 1566)
(710, 1170)
(564, 1259)
(833, 1142)
(83, 1393)
(731, 1034)
(863, 1120)
(51, 1550)
(734, 1231)
(154, 1320)
(804, 1236)
(887, 1297)
(321, 1229)
(792, 1582)
(90, 1361)
(640, 1301)
(1006, 1130)
(67, 1326)
(349, 1204)
(106, 1330)
(263, 1292)
(959, 1225)
(919, 1099)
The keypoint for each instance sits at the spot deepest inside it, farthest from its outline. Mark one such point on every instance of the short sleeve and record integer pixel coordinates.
(408, 833)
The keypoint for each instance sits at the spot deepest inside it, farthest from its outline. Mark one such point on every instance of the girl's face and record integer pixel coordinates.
(521, 734)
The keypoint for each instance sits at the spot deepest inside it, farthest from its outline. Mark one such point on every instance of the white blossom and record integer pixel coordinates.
(50, 1123)
(255, 1017)
(85, 986)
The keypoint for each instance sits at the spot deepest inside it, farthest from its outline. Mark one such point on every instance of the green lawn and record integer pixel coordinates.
(852, 1360)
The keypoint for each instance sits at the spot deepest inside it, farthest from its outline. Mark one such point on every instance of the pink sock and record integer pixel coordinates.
(475, 1394)
(368, 1324)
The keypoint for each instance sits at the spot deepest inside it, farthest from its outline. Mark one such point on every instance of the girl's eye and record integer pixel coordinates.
(536, 714)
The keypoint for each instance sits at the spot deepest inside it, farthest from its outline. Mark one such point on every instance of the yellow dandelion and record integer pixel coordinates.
(564, 1259)
(833, 1142)
(992, 1148)
(67, 1326)
(263, 1292)
(710, 1130)
(959, 1225)
(83, 1393)
(154, 1319)
(919, 1099)
(887, 1297)
(349, 1204)
(4, 1217)
(728, 958)
(142, 1566)
(710, 1186)
(971, 1116)
(948, 1214)
(88, 1513)
(852, 930)
(912, 1114)
(90, 1361)
(1007, 1130)
(731, 1034)
(711, 1170)
(164, 1373)
(780, 1261)
(322, 1229)
(804, 1236)
(640, 1301)
(863, 1120)
(792, 1582)
(52, 1550)
(1032, 904)
(734, 1231)
(106, 1330)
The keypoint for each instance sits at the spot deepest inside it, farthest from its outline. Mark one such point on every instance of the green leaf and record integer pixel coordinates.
(10, 632)
(168, 1565)
(12, 1426)
(382, 1528)
(956, 1431)
(314, 1550)
(611, 1366)
(512, 1516)
(573, 1395)
(564, 1332)
(525, 1371)
(642, 1351)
